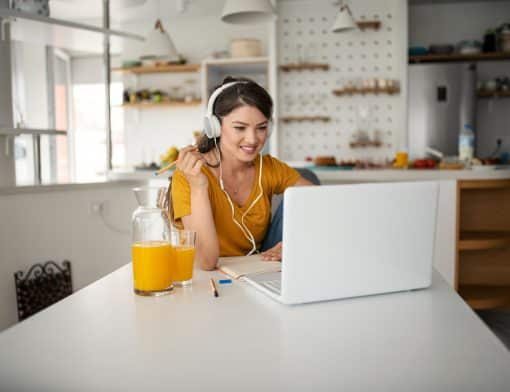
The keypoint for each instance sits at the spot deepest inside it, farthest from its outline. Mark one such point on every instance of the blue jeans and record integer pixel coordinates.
(275, 231)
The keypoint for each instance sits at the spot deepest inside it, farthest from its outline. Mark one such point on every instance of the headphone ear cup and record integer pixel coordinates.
(215, 127)
(207, 127)
(212, 127)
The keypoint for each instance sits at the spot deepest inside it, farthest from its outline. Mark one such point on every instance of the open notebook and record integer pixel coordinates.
(239, 266)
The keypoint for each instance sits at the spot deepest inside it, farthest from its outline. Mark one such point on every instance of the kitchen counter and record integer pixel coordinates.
(14, 190)
(331, 175)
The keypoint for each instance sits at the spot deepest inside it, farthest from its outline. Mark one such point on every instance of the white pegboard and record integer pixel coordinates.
(303, 35)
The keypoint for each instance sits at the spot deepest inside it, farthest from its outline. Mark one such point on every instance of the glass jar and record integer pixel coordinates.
(152, 252)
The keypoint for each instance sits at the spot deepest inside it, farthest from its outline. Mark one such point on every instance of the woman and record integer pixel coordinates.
(222, 188)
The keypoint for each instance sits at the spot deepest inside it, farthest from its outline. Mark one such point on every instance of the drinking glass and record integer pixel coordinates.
(183, 244)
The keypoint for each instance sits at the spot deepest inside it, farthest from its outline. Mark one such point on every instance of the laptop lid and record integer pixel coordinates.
(343, 241)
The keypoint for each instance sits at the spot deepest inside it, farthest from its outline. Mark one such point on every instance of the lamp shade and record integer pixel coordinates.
(159, 45)
(247, 11)
(344, 21)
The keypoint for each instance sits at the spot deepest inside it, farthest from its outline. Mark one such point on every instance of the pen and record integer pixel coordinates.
(213, 288)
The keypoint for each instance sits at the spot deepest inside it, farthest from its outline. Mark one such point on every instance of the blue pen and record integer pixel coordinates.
(225, 281)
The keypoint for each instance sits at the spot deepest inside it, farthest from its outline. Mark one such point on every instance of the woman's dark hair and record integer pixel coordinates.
(240, 94)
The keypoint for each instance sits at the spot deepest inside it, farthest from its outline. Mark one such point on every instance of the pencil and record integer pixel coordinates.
(213, 288)
(166, 168)
(169, 166)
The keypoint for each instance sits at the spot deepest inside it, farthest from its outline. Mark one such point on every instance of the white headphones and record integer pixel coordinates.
(212, 124)
(212, 129)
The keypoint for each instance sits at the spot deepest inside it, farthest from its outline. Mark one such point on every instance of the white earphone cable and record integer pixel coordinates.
(251, 205)
(242, 226)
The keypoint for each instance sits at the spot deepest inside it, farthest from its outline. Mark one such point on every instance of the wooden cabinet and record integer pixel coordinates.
(482, 273)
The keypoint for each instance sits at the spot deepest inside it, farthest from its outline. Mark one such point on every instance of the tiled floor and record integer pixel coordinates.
(499, 322)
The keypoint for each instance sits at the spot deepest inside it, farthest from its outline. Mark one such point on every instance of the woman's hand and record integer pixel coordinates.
(190, 162)
(273, 254)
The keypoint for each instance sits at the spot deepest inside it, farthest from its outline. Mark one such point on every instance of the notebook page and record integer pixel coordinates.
(238, 266)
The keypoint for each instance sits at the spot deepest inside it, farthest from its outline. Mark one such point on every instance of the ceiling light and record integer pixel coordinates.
(247, 11)
(159, 45)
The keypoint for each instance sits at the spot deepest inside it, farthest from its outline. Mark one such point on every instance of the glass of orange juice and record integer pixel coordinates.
(183, 244)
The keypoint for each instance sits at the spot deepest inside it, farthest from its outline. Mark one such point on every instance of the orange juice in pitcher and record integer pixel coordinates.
(153, 254)
(152, 267)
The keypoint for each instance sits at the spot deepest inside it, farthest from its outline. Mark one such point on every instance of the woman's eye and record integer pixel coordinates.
(239, 128)
(262, 129)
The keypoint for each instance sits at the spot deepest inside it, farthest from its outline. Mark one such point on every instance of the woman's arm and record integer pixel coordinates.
(303, 182)
(201, 219)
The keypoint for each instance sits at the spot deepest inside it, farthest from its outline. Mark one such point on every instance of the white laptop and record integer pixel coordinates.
(343, 241)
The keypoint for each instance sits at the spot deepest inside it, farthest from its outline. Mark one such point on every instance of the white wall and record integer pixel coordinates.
(148, 133)
(451, 23)
(352, 56)
(55, 224)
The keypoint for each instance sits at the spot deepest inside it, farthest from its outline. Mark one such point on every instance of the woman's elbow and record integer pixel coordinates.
(208, 263)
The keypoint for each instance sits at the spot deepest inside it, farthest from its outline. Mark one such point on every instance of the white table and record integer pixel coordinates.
(106, 338)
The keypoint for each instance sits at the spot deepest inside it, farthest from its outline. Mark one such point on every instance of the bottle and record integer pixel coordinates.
(466, 143)
(152, 253)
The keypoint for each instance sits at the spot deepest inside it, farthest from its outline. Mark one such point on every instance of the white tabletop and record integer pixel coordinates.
(106, 338)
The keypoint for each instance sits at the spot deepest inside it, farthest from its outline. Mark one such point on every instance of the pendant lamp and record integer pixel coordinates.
(159, 45)
(247, 11)
(344, 20)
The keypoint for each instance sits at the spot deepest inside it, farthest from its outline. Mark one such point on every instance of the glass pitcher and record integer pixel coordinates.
(152, 252)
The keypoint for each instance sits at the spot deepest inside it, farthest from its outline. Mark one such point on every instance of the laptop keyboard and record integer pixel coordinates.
(273, 285)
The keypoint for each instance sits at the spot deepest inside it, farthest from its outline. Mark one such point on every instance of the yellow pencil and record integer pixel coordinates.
(166, 168)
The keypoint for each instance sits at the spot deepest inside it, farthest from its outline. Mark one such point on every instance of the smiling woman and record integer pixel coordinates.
(223, 187)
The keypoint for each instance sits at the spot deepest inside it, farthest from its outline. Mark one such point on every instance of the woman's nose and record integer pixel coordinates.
(251, 136)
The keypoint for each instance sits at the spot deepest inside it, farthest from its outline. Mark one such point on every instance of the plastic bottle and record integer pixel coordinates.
(466, 143)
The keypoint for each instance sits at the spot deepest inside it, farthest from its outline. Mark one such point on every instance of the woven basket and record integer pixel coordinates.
(245, 47)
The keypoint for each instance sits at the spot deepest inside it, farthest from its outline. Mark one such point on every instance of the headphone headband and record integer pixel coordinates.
(212, 124)
(214, 95)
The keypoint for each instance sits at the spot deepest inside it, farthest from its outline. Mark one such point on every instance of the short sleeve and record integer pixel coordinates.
(181, 199)
(282, 175)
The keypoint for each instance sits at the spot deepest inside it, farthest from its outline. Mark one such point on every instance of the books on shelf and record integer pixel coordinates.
(239, 266)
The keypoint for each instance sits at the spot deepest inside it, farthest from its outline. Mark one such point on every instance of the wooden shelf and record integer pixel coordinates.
(369, 24)
(152, 105)
(483, 240)
(493, 94)
(288, 119)
(485, 297)
(370, 143)
(304, 66)
(363, 91)
(457, 57)
(170, 68)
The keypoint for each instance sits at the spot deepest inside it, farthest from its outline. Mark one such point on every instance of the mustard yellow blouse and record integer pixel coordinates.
(276, 177)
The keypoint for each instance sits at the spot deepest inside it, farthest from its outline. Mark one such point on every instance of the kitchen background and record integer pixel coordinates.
(62, 87)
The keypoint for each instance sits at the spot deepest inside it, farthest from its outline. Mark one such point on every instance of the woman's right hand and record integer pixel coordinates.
(190, 162)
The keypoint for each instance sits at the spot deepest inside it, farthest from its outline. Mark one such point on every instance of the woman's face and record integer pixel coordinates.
(243, 133)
